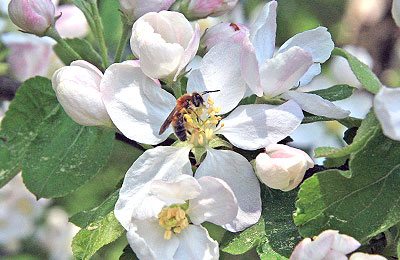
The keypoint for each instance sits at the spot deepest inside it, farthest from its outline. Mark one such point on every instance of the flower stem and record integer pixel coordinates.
(99, 32)
(176, 87)
(52, 32)
(126, 29)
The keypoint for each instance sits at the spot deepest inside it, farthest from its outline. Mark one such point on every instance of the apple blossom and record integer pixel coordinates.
(138, 108)
(282, 167)
(32, 16)
(327, 245)
(198, 9)
(78, 90)
(363, 256)
(165, 43)
(163, 218)
(297, 61)
(133, 9)
(387, 110)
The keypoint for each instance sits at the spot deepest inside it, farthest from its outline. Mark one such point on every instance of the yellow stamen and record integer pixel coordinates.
(200, 139)
(168, 234)
(210, 101)
(209, 133)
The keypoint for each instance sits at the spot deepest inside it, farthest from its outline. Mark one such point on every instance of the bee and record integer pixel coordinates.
(176, 117)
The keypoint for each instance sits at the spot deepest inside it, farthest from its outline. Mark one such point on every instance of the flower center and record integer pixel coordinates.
(201, 124)
(173, 219)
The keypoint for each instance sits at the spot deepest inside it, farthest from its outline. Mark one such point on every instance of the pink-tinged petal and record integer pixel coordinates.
(345, 244)
(216, 203)
(90, 67)
(136, 105)
(220, 70)
(136, 8)
(164, 163)
(224, 32)
(146, 239)
(316, 105)
(387, 110)
(317, 249)
(263, 32)
(176, 191)
(72, 22)
(364, 256)
(252, 127)
(318, 42)
(282, 72)
(136, 63)
(270, 173)
(190, 51)
(196, 244)
(249, 67)
(396, 11)
(335, 255)
(238, 173)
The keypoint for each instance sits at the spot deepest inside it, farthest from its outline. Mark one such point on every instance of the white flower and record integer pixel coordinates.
(327, 245)
(363, 256)
(282, 167)
(165, 43)
(157, 218)
(297, 61)
(138, 108)
(134, 8)
(387, 110)
(78, 90)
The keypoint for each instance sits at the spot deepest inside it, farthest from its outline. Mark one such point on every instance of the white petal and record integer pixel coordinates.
(237, 172)
(216, 204)
(196, 244)
(250, 68)
(136, 105)
(252, 127)
(263, 32)
(176, 191)
(387, 110)
(89, 66)
(164, 163)
(318, 42)
(146, 239)
(220, 69)
(317, 249)
(313, 71)
(316, 105)
(190, 51)
(363, 256)
(271, 174)
(396, 11)
(282, 72)
(345, 244)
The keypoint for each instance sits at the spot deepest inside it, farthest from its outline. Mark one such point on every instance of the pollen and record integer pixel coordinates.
(201, 124)
(173, 219)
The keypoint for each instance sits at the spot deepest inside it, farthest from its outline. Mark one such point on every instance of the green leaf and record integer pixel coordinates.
(281, 232)
(34, 102)
(361, 70)
(348, 122)
(334, 93)
(95, 236)
(275, 230)
(361, 206)
(398, 250)
(64, 156)
(83, 48)
(85, 218)
(335, 162)
(219, 142)
(265, 252)
(370, 123)
(20, 257)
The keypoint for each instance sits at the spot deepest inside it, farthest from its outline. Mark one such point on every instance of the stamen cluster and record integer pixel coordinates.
(173, 219)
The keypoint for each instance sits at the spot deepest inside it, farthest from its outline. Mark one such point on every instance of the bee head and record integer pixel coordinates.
(197, 99)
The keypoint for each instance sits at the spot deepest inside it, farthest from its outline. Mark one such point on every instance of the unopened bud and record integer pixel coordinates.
(32, 16)
(133, 9)
(78, 90)
(282, 167)
(198, 9)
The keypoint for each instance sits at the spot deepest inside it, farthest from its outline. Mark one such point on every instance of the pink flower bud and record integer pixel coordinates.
(198, 9)
(134, 8)
(233, 32)
(282, 167)
(327, 245)
(72, 22)
(32, 16)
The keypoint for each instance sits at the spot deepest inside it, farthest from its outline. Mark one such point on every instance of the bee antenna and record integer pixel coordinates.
(209, 91)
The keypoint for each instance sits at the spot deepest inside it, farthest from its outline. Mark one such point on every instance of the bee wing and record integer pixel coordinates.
(167, 121)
